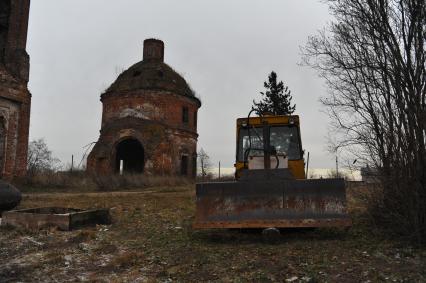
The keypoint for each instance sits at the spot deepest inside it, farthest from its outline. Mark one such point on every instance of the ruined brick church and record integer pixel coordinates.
(149, 121)
(15, 99)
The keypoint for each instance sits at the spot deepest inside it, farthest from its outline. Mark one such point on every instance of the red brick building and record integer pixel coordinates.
(15, 99)
(149, 121)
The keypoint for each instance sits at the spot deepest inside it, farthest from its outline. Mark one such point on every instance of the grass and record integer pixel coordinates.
(80, 181)
(151, 240)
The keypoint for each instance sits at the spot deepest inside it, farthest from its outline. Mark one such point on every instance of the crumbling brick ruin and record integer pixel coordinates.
(15, 99)
(149, 121)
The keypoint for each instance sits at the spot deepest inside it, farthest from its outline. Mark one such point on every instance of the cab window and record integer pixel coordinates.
(285, 139)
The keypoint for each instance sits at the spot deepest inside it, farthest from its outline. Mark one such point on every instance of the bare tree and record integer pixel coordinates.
(205, 163)
(40, 158)
(373, 59)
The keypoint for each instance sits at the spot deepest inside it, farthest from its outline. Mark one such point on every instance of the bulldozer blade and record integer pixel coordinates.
(271, 203)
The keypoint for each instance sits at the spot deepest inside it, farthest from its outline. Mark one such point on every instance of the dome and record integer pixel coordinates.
(151, 74)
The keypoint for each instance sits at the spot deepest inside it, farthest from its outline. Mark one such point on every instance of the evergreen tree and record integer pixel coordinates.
(276, 100)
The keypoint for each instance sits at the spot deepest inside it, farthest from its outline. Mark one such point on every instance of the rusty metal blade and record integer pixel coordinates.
(271, 203)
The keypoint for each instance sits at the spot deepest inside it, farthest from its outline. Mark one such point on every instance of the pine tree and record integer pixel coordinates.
(276, 100)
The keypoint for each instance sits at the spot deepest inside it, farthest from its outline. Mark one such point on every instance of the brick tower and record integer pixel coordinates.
(149, 121)
(15, 99)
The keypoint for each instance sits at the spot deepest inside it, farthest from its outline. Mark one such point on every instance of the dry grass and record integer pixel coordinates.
(151, 240)
(82, 182)
(115, 182)
(125, 260)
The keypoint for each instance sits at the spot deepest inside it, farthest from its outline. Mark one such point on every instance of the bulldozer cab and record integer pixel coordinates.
(270, 189)
(269, 142)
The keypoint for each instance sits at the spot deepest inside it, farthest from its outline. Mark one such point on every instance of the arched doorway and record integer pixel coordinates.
(129, 156)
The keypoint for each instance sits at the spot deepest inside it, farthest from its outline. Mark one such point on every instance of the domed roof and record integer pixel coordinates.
(151, 74)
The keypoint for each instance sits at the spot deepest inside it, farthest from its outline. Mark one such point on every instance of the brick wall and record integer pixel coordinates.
(15, 99)
(15, 115)
(164, 146)
(162, 106)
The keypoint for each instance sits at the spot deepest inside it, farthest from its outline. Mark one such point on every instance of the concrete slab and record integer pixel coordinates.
(62, 218)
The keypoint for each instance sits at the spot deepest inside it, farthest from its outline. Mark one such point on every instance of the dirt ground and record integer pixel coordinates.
(151, 240)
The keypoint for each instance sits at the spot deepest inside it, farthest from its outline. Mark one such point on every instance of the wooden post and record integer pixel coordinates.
(337, 167)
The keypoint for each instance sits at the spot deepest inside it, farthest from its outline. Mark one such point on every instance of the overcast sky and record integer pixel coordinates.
(224, 49)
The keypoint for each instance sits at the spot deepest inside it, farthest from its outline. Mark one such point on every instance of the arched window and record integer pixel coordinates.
(194, 165)
(184, 165)
(185, 115)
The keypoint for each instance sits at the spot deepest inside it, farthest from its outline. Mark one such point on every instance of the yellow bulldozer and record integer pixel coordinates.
(270, 188)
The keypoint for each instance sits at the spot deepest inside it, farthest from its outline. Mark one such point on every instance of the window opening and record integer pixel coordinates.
(285, 139)
(2, 144)
(184, 165)
(185, 114)
(4, 25)
(194, 165)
